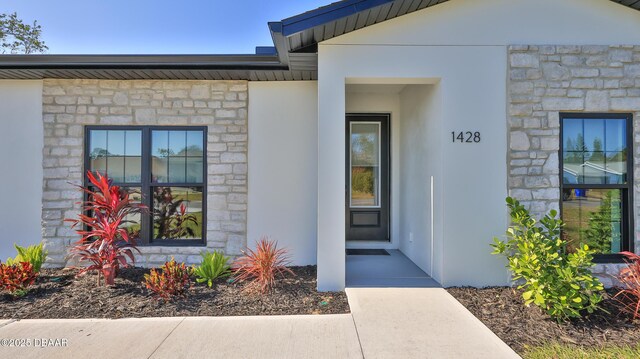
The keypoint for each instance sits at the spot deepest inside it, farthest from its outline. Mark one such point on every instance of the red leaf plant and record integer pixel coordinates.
(629, 296)
(261, 267)
(171, 280)
(170, 216)
(17, 277)
(105, 241)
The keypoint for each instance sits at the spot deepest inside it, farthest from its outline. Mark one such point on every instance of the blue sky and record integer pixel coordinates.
(159, 26)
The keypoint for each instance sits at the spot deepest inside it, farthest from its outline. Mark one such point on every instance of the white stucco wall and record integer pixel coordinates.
(505, 22)
(283, 143)
(421, 163)
(21, 142)
(462, 44)
(474, 183)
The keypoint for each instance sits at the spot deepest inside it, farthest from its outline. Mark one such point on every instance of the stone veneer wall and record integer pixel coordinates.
(69, 105)
(546, 80)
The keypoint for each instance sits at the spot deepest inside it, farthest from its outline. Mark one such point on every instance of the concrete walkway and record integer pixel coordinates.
(385, 323)
(313, 336)
(420, 323)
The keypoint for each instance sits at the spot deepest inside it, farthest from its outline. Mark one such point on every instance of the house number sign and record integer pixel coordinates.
(465, 137)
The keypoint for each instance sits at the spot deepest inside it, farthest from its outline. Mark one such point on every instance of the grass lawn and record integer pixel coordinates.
(557, 351)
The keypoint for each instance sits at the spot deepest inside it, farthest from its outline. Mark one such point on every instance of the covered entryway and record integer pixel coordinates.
(391, 165)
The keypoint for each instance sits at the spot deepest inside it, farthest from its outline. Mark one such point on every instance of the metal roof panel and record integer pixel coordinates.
(293, 37)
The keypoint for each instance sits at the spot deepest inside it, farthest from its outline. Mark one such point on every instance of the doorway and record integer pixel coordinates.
(367, 177)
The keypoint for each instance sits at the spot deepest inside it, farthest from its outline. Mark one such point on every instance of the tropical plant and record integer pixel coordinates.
(558, 282)
(16, 37)
(171, 280)
(262, 266)
(170, 217)
(105, 241)
(629, 296)
(33, 254)
(16, 278)
(214, 265)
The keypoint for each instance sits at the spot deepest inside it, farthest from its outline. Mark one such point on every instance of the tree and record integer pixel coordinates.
(580, 145)
(16, 37)
(575, 149)
(599, 233)
(597, 155)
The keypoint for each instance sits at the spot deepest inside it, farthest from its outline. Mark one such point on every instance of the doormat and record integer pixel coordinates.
(367, 252)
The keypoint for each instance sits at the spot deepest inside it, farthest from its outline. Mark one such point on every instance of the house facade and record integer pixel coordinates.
(370, 124)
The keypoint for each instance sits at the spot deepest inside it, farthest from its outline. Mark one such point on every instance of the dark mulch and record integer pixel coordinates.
(502, 310)
(58, 294)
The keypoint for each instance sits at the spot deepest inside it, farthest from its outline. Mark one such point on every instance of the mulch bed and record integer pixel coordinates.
(58, 294)
(502, 310)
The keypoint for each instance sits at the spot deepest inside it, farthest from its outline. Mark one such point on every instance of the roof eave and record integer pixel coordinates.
(323, 15)
(239, 62)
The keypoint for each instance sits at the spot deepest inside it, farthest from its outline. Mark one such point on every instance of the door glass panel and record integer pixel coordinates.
(365, 164)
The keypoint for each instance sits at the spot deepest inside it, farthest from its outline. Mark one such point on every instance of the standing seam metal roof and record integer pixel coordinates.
(293, 57)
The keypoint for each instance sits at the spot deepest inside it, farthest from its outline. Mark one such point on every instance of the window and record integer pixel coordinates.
(163, 167)
(597, 182)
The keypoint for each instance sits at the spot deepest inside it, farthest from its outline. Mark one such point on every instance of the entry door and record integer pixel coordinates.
(367, 192)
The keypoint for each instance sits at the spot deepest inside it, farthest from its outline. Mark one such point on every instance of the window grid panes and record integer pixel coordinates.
(594, 151)
(172, 186)
(117, 153)
(596, 180)
(177, 156)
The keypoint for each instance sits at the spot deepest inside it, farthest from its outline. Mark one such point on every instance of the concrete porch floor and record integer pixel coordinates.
(380, 271)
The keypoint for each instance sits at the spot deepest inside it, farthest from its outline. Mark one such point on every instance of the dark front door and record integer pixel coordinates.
(367, 190)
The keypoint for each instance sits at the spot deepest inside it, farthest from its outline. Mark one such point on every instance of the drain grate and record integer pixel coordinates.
(367, 252)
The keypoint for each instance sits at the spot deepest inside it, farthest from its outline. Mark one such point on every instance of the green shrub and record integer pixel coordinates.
(558, 282)
(32, 254)
(214, 265)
